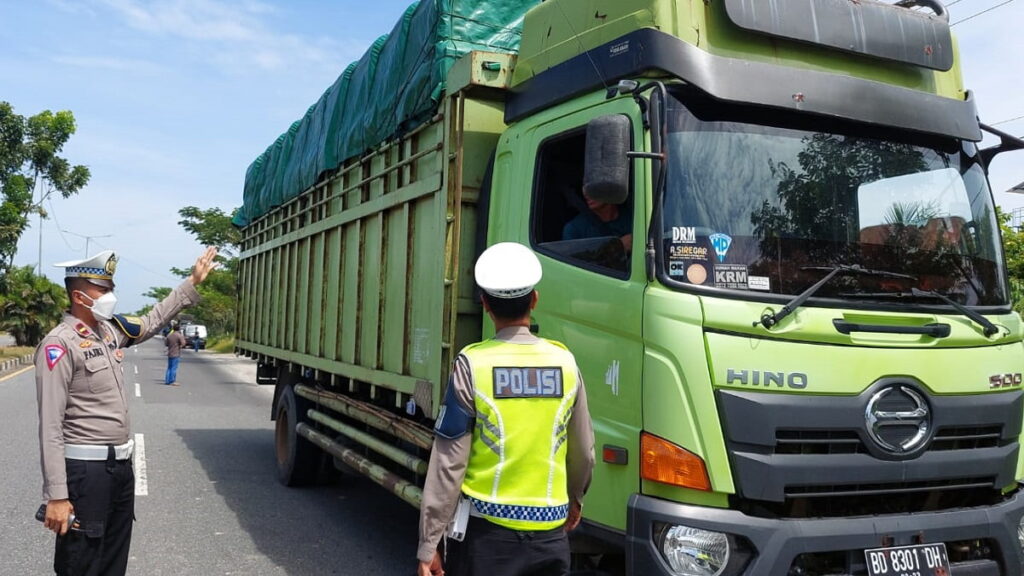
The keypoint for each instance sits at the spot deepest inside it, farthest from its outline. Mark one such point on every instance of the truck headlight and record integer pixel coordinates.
(692, 551)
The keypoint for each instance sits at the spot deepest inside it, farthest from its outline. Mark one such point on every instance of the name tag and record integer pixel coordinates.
(527, 382)
(93, 353)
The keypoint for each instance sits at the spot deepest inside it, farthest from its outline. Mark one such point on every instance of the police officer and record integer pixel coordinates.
(513, 442)
(84, 442)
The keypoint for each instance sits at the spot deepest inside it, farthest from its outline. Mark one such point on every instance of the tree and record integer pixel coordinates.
(30, 305)
(212, 228)
(816, 200)
(158, 293)
(1013, 246)
(216, 309)
(29, 162)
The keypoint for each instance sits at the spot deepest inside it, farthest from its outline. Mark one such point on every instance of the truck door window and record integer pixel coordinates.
(565, 224)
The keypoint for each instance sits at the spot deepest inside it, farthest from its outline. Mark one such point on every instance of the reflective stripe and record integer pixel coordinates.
(501, 439)
(92, 452)
(558, 442)
(487, 439)
(524, 513)
(484, 421)
(559, 434)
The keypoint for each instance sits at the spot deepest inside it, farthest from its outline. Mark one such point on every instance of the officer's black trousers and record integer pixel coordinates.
(492, 550)
(103, 495)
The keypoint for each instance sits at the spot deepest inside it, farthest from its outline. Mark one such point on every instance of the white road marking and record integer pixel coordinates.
(138, 390)
(136, 369)
(10, 376)
(141, 486)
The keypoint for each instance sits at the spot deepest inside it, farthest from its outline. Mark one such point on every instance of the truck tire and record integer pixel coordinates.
(298, 460)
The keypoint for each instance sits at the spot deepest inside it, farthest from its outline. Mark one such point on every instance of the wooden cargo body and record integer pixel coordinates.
(364, 282)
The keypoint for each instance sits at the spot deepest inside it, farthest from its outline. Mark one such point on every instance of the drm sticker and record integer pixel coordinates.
(684, 235)
(759, 283)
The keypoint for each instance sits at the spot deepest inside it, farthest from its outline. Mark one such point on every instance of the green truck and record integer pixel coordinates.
(796, 332)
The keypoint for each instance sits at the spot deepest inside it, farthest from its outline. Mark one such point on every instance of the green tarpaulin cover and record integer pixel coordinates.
(393, 88)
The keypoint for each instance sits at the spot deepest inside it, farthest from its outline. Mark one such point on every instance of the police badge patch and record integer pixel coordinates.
(53, 355)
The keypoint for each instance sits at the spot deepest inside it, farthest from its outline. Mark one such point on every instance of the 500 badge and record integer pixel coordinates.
(1005, 380)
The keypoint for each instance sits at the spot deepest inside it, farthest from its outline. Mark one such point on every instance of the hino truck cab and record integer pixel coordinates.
(789, 299)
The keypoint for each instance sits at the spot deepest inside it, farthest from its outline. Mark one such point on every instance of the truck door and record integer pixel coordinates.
(591, 296)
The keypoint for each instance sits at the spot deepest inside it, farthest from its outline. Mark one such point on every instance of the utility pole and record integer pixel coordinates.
(39, 263)
(87, 239)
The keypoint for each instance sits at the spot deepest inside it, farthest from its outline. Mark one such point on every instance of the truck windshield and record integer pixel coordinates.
(758, 201)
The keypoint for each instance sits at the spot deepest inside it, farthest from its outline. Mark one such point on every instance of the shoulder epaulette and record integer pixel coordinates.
(130, 325)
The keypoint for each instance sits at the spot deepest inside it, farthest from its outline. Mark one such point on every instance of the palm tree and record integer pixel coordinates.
(30, 305)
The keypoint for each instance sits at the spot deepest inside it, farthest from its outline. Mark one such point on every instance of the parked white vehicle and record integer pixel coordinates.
(194, 332)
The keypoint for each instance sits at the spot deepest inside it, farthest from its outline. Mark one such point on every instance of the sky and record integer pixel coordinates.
(175, 98)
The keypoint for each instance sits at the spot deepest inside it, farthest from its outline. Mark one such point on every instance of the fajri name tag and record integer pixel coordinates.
(527, 382)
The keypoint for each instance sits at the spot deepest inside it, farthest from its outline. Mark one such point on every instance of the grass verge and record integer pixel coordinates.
(15, 351)
(222, 344)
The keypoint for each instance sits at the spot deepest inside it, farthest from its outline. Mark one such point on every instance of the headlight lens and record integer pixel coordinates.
(694, 552)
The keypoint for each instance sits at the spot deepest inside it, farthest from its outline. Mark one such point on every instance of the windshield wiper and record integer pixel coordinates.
(988, 327)
(770, 320)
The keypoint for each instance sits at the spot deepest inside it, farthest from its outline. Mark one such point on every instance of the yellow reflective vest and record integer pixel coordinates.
(524, 396)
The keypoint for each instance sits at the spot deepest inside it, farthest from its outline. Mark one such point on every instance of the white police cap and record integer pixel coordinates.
(507, 270)
(99, 269)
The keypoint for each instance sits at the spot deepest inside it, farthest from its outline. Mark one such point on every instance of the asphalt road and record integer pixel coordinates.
(214, 505)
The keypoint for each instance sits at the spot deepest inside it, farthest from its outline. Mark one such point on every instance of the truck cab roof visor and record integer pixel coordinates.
(870, 28)
(746, 82)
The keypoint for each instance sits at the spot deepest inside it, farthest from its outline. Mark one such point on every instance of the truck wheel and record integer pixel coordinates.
(298, 460)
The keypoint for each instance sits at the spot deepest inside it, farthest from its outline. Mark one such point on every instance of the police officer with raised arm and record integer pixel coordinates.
(513, 445)
(84, 431)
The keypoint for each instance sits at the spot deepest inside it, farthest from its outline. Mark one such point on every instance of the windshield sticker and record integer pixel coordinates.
(687, 252)
(697, 274)
(721, 242)
(731, 276)
(759, 283)
(684, 235)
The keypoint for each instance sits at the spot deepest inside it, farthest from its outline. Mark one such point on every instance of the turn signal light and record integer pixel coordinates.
(663, 461)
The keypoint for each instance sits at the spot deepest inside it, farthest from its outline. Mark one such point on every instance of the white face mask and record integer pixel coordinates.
(103, 307)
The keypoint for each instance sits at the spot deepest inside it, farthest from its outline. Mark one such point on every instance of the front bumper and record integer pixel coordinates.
(777, 543)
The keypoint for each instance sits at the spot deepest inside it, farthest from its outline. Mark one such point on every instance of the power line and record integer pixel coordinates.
(980, 13)
(121, 256)
(87, 238)
(1006, 121)
(60, 230)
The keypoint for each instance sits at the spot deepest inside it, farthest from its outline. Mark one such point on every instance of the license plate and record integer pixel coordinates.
(918, 560)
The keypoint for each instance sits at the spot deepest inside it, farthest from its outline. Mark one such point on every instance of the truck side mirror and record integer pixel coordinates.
(1007, 142)
(606, 167)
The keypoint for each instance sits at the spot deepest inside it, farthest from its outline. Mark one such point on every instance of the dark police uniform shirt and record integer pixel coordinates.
(80, 385)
